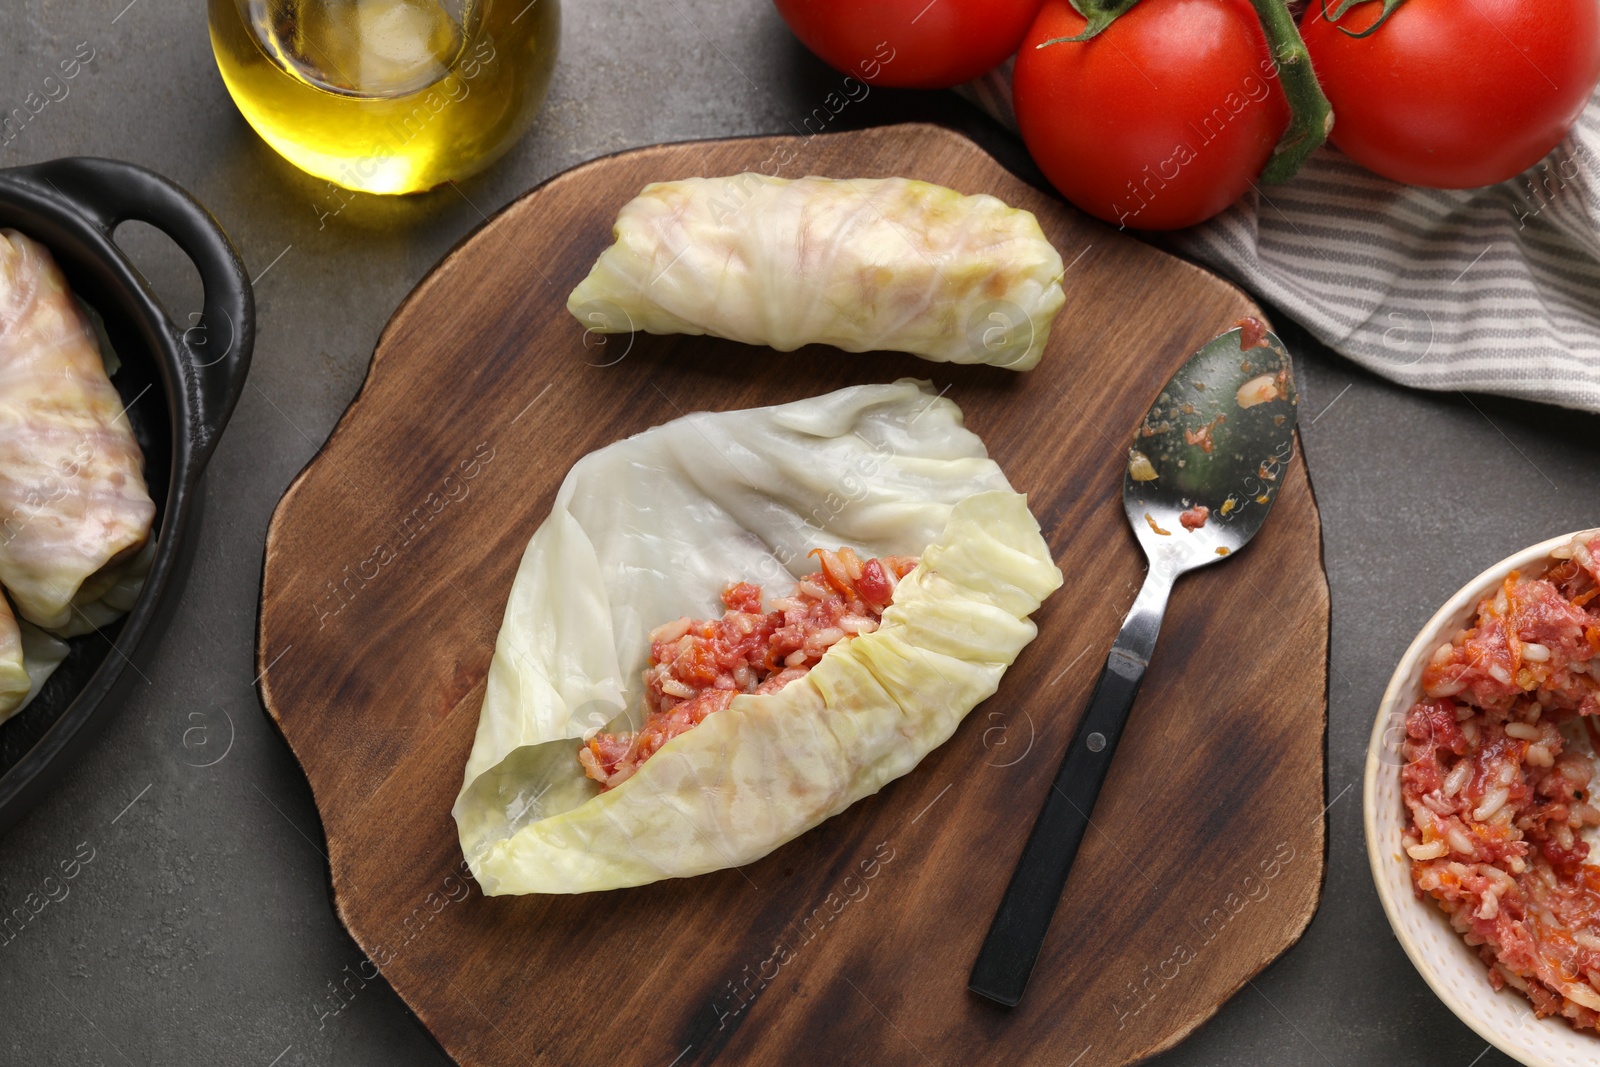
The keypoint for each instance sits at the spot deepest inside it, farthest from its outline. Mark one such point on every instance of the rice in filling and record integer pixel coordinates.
(1498, 784)
(698, 666)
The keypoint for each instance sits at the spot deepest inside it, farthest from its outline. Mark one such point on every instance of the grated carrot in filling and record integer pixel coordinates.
(698, 666)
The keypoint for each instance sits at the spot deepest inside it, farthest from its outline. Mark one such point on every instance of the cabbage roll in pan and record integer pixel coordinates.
(861, 264)
(14, 683)
(28, 656)
(660, 527)
(74, 507)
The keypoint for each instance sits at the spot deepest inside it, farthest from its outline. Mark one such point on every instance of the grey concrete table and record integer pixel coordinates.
(201, 933)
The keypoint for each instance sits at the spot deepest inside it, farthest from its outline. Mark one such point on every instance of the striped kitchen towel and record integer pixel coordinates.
(1493, 290)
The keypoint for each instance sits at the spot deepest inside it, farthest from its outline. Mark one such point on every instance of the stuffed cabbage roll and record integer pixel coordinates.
(683, 521)
(28, 656)
(14, 682)
(109, 594)
(860, 264)
(73, 501)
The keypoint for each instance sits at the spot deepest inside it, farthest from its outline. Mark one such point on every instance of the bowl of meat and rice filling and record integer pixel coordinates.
(1483, 830)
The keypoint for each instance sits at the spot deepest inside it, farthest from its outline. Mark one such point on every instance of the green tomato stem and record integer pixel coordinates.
(1339, 10)
(1310, 114)
(1099, 13)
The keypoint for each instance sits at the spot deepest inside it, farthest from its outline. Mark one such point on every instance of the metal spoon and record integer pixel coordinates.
(1204, 467)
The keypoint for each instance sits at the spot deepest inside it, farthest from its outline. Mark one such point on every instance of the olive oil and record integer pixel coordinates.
(387, 96)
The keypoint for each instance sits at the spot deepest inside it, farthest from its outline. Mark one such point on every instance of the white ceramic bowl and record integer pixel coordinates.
(1454, 971)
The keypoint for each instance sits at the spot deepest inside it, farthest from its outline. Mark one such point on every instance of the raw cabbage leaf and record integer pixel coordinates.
(861, 264)
(654, 527)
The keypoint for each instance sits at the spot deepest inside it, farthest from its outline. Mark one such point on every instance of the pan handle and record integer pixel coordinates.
(109, 192)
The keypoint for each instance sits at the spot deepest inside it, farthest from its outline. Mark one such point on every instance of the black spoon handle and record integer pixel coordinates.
(1006, 959)
(1020, 923)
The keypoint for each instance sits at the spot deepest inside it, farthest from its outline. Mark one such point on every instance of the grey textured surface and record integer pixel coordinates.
(201, 932)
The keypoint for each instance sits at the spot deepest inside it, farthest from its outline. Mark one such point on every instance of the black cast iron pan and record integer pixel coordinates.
(180, 382)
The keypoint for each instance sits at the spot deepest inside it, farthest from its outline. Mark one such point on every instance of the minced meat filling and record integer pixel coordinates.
(697, 666)
(1498, 796)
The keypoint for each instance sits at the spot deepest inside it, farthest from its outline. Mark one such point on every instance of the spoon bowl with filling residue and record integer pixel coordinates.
(1207, 461)
(1204, 467)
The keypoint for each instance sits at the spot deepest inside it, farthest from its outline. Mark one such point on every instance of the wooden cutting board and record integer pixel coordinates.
(389, 561)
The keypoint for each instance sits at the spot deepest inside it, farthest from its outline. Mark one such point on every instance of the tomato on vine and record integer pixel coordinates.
(911, 44)
(1453, 93)
(1166, 115)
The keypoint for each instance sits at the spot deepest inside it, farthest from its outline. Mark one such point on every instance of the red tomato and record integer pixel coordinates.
(912, 44)
(1456, 93)
(1159, 122)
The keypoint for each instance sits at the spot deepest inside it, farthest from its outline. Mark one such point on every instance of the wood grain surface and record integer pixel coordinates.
(390, 558)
